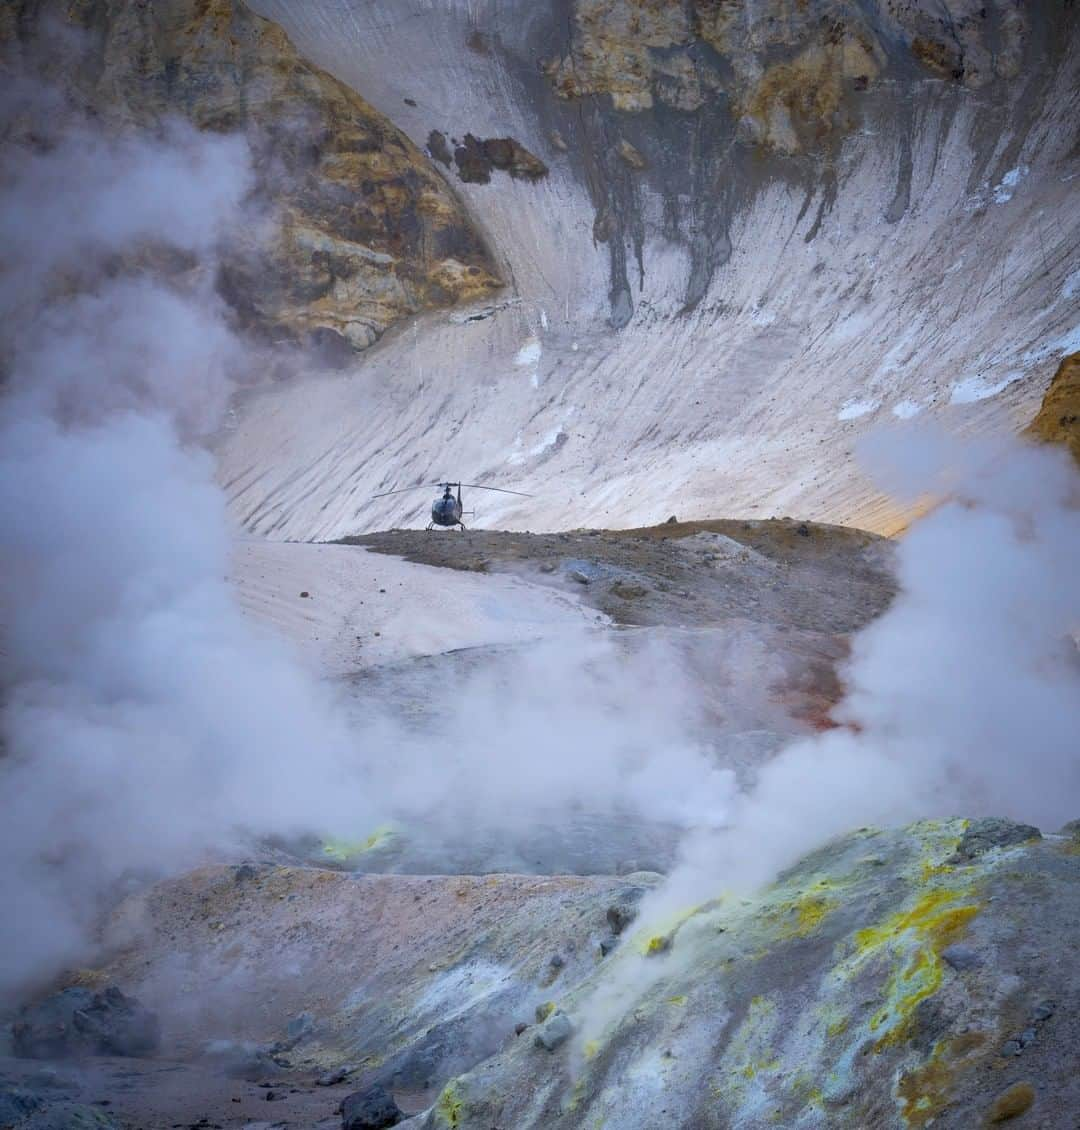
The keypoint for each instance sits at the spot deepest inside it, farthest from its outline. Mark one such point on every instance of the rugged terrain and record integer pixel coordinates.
(639, 259)
(350, 228)
(766, 230)
(893, 978)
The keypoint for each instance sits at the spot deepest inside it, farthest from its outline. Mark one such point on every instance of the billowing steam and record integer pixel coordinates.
(145, 721)
(148, 725)
(963, 699)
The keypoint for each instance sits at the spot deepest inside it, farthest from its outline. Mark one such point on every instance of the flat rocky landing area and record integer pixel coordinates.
(799, 575)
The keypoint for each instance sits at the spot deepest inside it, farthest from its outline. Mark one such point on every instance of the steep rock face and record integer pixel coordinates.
(766, 230)
(363, 232)
(1058, 419)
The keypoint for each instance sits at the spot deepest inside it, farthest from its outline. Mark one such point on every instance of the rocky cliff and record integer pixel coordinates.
(765, 230)
(1058, 418)
(360, 230)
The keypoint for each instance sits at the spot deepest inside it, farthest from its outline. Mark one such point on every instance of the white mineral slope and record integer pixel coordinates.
(365, 609)
(826, 321)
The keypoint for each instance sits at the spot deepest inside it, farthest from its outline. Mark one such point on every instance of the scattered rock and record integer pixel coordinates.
(632, 157)
(672, 521)
(803, 530)
(554, 1032)
(305, 594)
(553, 968)
(1027, 1037)
(992, 832)
(475, 159)
(333, 1078)
(80, 1021)
(961, 957)
(624, 910)
(559, 141)
(579, 576)
(371, 1109)
(520, 1027)
(607, 944)
(1011, 1048)
(1072, 830)
(439, 150)
(244, 871)
(1012, 1103)
(1043, 1011)
(543, 1011)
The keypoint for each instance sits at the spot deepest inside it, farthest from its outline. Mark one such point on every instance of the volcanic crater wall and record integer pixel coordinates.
(352, 228)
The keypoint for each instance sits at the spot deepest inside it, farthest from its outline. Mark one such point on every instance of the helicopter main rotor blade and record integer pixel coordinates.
(402, 490)
(502, 490)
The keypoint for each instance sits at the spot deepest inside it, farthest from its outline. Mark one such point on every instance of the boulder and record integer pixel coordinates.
(554, 1032)
(78, 1021)
(371, 1109)
(992, 832)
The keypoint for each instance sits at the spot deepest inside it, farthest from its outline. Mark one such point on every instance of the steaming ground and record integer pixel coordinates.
(687, 634)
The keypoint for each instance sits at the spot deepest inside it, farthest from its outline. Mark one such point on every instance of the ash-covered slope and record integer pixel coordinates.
(764, 229)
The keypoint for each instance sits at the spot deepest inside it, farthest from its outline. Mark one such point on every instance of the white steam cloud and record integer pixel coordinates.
(146, 722)
(148, 725)
(963, 697)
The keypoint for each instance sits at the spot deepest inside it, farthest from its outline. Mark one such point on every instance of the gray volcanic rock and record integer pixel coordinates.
(78, 1021)
(373, 1109)
(825, 1001)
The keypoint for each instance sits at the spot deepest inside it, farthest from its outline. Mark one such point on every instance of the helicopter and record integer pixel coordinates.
(446, 510)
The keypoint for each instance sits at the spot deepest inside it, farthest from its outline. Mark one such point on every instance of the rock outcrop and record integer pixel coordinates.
(766, 229)
(1058, 418)
(785, 70)
(823, 1002)
(893, 978)
(362, 231)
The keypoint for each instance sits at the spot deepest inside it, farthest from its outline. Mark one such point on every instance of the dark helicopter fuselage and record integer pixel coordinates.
(446, 511)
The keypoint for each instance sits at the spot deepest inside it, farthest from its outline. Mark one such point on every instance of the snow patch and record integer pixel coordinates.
(972, 389)
(1004, 189)
(853, 409)
(906, 409)
(529, 353)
